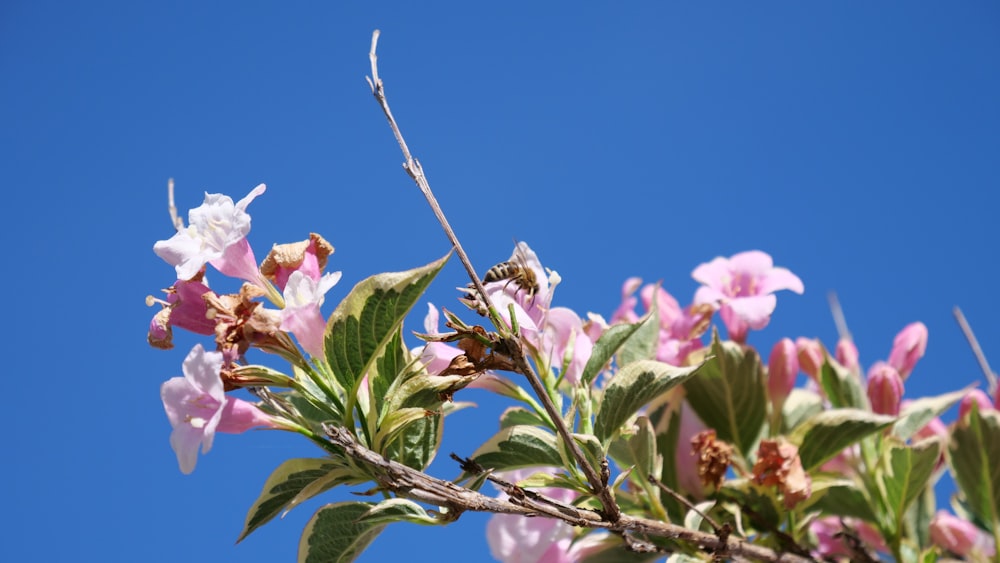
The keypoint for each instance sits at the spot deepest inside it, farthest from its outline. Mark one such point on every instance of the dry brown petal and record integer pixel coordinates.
(778, 465)
(162, 320)
(714, 457)
(290, 255)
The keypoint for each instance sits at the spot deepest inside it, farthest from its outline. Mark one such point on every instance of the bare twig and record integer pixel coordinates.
(991, 376)
(409, 483)
(838, 316)
(416, 172)
(175, 220)
(683, 500)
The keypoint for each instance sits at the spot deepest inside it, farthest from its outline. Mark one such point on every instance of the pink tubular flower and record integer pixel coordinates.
(908, 347)
(885, 389)
(216, 234)
(782, 370)
(198, 407)
(307, 256)
(743, 287)
(301, 316)
(959, 536)
(516, 539)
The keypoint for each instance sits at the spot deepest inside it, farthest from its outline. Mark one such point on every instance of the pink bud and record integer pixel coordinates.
(975, 396)
(959, 536)
(782, 369)
(810, 356)
(908, 347)
(885, 389)
(847, 355)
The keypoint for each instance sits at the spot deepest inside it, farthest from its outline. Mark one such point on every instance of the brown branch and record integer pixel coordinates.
(407, 482)
(175, 220)
(991, 376)
(416, 172)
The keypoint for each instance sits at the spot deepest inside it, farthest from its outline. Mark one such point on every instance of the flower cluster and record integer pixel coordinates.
(799, 448)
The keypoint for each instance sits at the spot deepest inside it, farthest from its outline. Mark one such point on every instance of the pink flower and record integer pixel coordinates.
(975, 396)
(216, 234)
(516, 539)
(186, 308)
(680, 329)
(885, 389)
(566, 343)
(908, 347)
(831, 541)
(782, 370)
(198, 407)
(307, 256)
(959, 536)
(743, 287)
(301, 316)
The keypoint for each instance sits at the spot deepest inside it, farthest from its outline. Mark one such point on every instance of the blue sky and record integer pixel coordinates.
(856, 143)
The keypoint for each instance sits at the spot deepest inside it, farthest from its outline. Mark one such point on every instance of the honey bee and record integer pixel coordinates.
(516, 271)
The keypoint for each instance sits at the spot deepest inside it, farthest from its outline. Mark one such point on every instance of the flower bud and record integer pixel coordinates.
(782, 369)
(810, 356)
(975, 396)
(908, 347)
(959, 536)
(847, 355)
(885, 389)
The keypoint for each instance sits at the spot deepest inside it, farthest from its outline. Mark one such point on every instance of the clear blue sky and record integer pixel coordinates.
(857, 143)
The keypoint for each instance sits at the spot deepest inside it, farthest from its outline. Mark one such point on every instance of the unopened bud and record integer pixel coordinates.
(810, 356)
(885, 389)
(847, 355)
(782, 369)
(908, 347)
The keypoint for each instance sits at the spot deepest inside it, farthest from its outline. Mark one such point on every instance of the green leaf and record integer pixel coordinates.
(519, 446)
(520, 416)
(632, 387)
(975, 462)
(904, 476)
(418, 443)
(729, 394)
(638, 450)
(335, 535)
(395, 423)
(918, 413)
(284, 484)
(838, 497)
(799, 407)
(824, 435)
(641, 344)
(398, 510)
(607, 346)
(391, 364)
(369, 317)
(842, 388)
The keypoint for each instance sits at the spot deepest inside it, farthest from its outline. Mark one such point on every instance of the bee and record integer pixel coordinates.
(515, 271)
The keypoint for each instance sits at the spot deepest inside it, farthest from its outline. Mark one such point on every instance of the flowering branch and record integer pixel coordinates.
(410, 483)
(598, 483)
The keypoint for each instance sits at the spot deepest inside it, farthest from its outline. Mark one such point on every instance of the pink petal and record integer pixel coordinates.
(185, 441)
(715, 274)
(780, 278)
(238, 416)
(202, 370)
(238, 261)
(308, 326)
(755, 311)
(753, 262)
(709, 295)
